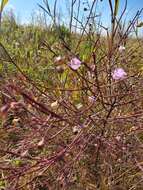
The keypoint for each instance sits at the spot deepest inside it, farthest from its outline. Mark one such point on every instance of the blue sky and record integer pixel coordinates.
(24, 8)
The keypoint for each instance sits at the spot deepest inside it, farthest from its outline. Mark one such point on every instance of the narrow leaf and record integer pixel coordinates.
(116, 7)
(3, 4)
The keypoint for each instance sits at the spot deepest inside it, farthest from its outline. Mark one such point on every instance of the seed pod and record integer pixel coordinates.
(85, 9)
(76, 130)
(60, 69)
(55, 105)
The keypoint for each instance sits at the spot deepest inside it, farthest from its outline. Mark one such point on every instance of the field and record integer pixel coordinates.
(71, 101)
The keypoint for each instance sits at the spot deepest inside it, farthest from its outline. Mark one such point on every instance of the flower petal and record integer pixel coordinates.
(119, 74)
(75, 63)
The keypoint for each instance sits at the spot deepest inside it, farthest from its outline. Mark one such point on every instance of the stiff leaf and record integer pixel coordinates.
(116, 7)
(3, 4)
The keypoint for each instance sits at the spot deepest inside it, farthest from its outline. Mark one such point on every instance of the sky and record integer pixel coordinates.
(24, 8)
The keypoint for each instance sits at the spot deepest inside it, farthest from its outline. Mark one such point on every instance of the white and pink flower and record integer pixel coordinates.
(119, 74)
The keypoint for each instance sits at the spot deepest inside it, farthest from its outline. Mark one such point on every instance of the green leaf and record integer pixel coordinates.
(3, 3)
(140, 25)
(116, 7)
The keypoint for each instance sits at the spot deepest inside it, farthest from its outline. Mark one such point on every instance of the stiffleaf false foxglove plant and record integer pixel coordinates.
(119, 74)
(75, 63)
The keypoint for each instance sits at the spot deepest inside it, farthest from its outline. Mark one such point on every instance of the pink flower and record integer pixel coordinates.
(75, 63)
(119, 74)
